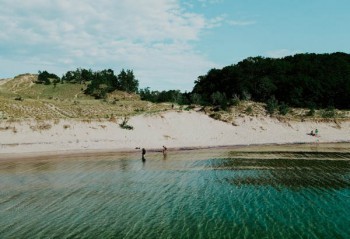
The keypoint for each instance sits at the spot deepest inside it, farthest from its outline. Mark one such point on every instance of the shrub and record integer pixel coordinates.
(311, 112)
(328, 113)
(246, 95)
(124, 124)
(215, 116)
(249, 110)
(218, 98)
(235, 100)
(19, 98)
(190, 107)
(271, 105)
(196, 99)
(283, 109)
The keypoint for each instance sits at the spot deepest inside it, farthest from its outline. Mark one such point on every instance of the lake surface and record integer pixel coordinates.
(193, 194)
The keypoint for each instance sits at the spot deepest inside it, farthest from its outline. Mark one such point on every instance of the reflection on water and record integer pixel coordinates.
(240, 195)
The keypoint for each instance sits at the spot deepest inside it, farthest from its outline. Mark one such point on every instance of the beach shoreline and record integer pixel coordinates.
(330, 147)
(186, 131)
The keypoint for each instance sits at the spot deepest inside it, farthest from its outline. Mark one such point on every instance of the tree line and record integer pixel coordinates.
(302, 80)
(98, 83)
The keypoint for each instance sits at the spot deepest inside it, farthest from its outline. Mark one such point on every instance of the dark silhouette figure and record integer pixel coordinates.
(143, 154)
(164, 151)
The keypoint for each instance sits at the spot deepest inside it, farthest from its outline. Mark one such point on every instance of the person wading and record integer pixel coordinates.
(143, 154)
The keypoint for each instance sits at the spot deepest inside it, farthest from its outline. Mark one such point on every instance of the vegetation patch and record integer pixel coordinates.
(124, 124)
(41, 126)
(328, 113)
(216, 116)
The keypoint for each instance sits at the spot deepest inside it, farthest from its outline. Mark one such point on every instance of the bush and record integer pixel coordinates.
(19, 98)
(328, 113)
(46, 78)
(283, 109)
(215, 116)
(249, 110)
(218, 98)
(246, 95)
(124, 124)
(311, 112)
(235, 100)
(190, 107)
(196, 99)
(271, 105)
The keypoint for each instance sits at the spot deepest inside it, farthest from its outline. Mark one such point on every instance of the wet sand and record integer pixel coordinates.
(183, 153)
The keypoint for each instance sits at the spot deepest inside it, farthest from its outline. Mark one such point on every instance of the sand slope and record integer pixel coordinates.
(173, 129)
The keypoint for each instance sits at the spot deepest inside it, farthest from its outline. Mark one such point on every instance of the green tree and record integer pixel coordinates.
(79, 76)
(102, 83)
(219, 99)
(299, 80)
(46, 78)
(127, 81)
(147, 94)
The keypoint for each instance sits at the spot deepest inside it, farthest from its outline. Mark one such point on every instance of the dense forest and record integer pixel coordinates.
(302, 80)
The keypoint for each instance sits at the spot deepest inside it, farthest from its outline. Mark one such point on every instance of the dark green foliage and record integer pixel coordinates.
(103, 82)
(172, 96)
(19, 98)
(249, 110)
(124, 124)
(271, 105)
(100, 83)
(46, 78)
(311, 111)
(127, 81)
(235, 100)
(147, 94)
(215, 116)
(219, 99)
(79, 76)
(196, 99)
(328, 113)
(283, 109)
(301, 80)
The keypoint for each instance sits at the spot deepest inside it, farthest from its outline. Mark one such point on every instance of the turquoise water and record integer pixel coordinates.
(294, 195)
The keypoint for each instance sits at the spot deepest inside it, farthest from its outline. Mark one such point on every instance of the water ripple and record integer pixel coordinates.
(245, 195)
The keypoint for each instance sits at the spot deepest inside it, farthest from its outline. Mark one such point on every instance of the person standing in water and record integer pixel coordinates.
(164, 151)
(143, 154)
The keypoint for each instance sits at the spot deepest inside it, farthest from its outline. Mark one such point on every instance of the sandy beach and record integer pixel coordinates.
(186, 129)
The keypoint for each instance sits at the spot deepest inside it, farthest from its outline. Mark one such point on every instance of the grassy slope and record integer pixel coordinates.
(65, 101)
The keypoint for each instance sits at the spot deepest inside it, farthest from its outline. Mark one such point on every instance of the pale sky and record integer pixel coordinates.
(167, 43)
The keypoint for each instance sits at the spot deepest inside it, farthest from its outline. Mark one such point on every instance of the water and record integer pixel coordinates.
(187, 195)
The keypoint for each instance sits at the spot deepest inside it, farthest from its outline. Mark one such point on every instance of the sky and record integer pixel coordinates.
(167, 43)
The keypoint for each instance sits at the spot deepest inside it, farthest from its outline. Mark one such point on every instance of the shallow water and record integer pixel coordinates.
(231, 195)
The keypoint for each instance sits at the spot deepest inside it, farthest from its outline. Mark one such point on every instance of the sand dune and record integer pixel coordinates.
(173, 129)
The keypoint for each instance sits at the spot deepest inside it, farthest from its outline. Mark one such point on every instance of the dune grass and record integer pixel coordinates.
(22, 98)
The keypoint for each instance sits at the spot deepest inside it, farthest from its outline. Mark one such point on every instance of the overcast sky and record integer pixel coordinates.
(167, 43)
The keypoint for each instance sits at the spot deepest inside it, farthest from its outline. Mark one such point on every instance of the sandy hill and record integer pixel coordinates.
(21, 97)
